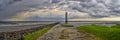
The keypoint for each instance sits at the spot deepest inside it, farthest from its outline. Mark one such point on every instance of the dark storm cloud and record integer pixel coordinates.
(9, 8)
(89, 8)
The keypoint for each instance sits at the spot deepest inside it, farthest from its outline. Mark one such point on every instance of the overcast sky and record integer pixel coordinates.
(49, 10)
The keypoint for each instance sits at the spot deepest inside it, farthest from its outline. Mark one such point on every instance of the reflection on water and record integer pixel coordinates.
(8, 24)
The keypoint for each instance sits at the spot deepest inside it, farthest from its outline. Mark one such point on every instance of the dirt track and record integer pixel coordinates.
(65, 33)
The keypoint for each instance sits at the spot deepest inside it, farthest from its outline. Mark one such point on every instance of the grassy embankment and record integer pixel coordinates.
(67, 25)
(35, 35)
(103, 32)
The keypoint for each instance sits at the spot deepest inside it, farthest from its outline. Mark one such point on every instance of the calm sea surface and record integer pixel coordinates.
(87, 23)
(73, 23)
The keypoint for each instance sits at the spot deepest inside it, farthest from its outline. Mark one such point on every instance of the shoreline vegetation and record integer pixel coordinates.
(67, 25)
(35, 35)
(39, 33)
(99, 32)
(103, 32)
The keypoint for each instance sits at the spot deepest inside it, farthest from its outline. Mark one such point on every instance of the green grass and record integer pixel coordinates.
(35, 35)
(116, 26)
(67, 25)
(104, 32)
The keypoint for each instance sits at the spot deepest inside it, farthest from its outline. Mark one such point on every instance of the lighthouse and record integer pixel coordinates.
(66, 18)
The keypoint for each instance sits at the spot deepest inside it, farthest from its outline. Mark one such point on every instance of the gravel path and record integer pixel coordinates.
(63, 33)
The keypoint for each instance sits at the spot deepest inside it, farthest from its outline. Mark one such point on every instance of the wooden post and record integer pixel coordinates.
(66, 18)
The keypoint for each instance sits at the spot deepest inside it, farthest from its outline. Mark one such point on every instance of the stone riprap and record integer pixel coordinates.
(18, 32)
